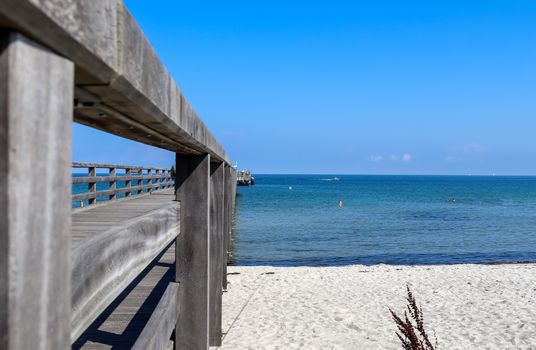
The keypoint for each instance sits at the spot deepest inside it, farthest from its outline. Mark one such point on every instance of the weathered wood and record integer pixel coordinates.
(106, 214)
(113, 183)
(105, 262)
(226, 222)
(120, 325)
(217, 176)
(105, 166)
(128, 181)
(161, 179)
(140, 181)
(36, 94)
(193, 246)
(117, 65)
(233, 191)
(91, 187)
(156, 333)
(104, 193)
(104, 178)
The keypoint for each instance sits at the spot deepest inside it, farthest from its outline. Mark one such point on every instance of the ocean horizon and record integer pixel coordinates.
(295, 220)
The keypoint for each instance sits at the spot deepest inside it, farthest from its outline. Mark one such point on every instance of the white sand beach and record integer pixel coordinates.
(468, 306)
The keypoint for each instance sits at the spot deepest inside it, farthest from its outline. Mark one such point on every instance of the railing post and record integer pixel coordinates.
(92, 186)
(217, 178)
(165, 183)
(112, 183)
(36, 105)
(140, 181)
(192, 251)
(158, 180)
(128, 183)
(151, 179)
(226, 223)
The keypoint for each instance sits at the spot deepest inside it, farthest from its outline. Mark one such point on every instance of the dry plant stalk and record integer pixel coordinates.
(411, 332)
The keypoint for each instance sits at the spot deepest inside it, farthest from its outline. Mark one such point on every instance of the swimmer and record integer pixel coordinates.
(340, 203)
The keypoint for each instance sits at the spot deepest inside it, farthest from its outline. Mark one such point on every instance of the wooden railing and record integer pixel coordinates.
(89, 62)
(133, 180)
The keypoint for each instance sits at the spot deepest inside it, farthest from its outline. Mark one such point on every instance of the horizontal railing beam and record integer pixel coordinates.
(107, 178)
(97, 194)
(106, 166)
(122, 87)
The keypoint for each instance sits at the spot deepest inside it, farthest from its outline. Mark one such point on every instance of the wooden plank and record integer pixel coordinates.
(193, 192)
(106, 166)
(112, 184)
(124, 199)
(217, 175)
(117, 64)
(157, 331)
(120, 325)
(128, 182)
(105, 262)
(104, 193)
(36, 97)
(104, 178)
(226, 223)
(92, 186)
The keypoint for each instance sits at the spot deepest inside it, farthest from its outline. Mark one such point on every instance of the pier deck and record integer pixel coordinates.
(87, 222)
(120, 325)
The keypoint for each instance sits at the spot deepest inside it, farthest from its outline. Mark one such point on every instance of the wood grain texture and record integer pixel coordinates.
(193, 192)
(36, 94)
(86, 179)
(110, 248)
(157, 331)
(83, 31)
(117, 65)
(226, 223)
(122, 323)
(117, 166)
(217, 176)
(104, 193)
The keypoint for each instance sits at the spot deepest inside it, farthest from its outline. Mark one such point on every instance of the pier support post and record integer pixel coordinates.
(233, 193)
(217, 177)
(192, 251)
(36, 104)
(226, 223)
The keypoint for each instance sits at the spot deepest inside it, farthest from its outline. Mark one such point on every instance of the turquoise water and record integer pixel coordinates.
(385, 219)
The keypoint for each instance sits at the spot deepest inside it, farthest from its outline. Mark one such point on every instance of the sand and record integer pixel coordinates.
(468, 306)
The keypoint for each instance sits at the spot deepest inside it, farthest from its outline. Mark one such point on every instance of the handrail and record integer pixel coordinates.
(124, 90)
(117, 166)
(145, 179)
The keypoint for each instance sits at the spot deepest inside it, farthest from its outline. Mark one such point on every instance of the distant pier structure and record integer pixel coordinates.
(244, 178)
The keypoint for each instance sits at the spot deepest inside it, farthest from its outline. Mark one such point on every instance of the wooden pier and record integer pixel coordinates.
(139, 263)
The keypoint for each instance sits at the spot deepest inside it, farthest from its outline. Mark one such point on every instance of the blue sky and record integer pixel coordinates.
(356, 87)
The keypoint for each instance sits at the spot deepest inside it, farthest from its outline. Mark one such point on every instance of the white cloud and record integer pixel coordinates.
(376, 158)
(406, 157)
(450, 159)
(393, 157)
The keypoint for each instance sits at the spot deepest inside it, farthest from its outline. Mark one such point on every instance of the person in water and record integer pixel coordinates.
(340, 203)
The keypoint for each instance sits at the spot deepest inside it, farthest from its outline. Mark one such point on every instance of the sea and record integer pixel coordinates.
(295, 220)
